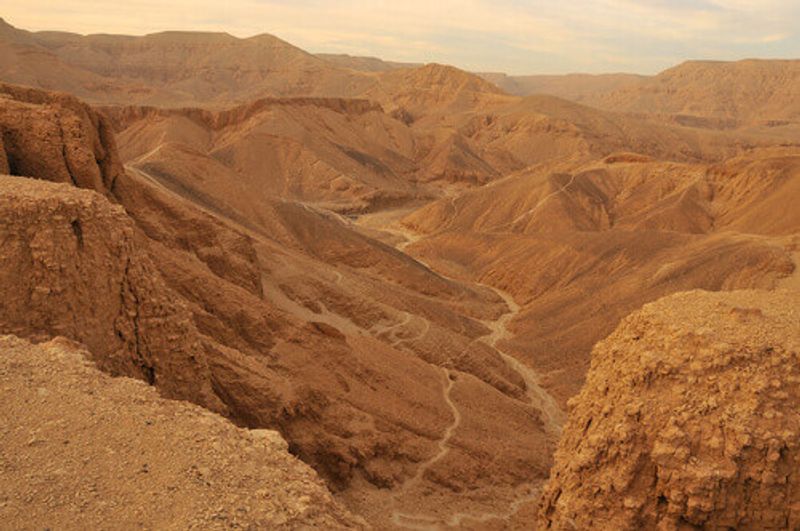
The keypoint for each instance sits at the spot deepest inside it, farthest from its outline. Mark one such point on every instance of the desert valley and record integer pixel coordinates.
(246, 286)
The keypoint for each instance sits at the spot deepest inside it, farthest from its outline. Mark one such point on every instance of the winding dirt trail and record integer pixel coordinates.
(416, 520)
(538, 398)
(380, 330)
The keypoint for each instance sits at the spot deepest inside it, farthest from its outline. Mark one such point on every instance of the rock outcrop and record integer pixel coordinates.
(82, 450)
(56, 137)
(69, 266)
(690, 418)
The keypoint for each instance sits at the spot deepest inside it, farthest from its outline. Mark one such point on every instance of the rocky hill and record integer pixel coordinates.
(83, 450)
(688, 419)
(70, 267)
(170, 68)
(58, 137)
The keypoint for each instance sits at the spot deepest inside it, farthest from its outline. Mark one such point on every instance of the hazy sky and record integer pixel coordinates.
(516, 36)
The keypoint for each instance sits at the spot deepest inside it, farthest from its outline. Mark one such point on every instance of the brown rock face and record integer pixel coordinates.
(69, 267)
(690, 418)
(56, 137)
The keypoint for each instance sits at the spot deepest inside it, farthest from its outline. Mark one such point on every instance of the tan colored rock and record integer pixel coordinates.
(55, 137)
(82, 450)
(690, 418)
(69, 266)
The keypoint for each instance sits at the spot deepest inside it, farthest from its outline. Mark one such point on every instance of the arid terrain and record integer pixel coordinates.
(393, 295)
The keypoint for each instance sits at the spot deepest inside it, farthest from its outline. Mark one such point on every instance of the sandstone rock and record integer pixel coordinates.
(690, 417)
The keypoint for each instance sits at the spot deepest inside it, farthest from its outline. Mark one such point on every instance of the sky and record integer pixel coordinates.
(512, 36)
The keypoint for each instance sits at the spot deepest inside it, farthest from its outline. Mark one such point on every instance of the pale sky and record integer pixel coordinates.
(514, 36)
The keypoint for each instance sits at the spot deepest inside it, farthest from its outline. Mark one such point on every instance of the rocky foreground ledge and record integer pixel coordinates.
(689, 418)
(83, 450)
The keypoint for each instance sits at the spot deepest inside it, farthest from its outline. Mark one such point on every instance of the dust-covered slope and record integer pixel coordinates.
(344, 154)
(688, 419)
(82, 450)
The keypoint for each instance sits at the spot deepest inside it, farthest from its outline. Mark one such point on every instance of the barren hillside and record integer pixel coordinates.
(574, 87)
(715, 94)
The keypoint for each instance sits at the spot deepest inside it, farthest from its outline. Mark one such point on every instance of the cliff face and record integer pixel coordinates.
(690, 417)
(87, 451)
(69, 266)
(56, 137)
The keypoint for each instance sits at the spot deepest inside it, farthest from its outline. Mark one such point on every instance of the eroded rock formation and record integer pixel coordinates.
(56, 137)
(69, 266)
(690, 418)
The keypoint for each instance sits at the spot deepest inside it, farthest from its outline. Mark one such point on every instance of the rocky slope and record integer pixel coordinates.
(343, 154)
(688, 419)
(82, 450)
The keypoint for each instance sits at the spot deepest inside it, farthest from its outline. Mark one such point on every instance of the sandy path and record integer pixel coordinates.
(415, 520)
(537, 396)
